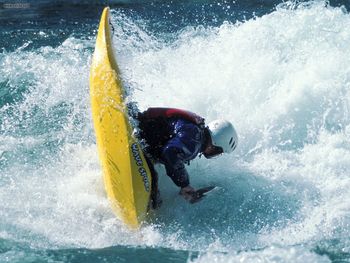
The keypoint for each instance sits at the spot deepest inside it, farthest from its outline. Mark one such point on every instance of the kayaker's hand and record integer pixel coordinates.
(187, 192)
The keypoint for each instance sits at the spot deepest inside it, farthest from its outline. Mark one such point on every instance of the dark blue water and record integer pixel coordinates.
(279, 70)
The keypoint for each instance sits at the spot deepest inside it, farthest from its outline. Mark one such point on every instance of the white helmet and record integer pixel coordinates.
(224, 135)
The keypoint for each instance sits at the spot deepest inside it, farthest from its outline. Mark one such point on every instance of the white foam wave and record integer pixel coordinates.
(283, 79)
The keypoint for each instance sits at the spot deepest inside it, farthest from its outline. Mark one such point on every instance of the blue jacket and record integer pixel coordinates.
(185, 144)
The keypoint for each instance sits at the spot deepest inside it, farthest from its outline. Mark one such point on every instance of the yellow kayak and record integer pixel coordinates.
(127, 177)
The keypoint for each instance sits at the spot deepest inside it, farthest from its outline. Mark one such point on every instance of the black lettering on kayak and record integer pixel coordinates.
(142, 170)
(144, 176)
(136, 154)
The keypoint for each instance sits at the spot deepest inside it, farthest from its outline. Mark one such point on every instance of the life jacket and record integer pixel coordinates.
(154, 127)
(152, 113)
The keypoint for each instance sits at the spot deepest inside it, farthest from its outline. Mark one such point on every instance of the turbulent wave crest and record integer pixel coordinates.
(283, 79)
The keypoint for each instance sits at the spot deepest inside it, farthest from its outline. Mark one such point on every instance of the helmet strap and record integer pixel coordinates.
(207, 139)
